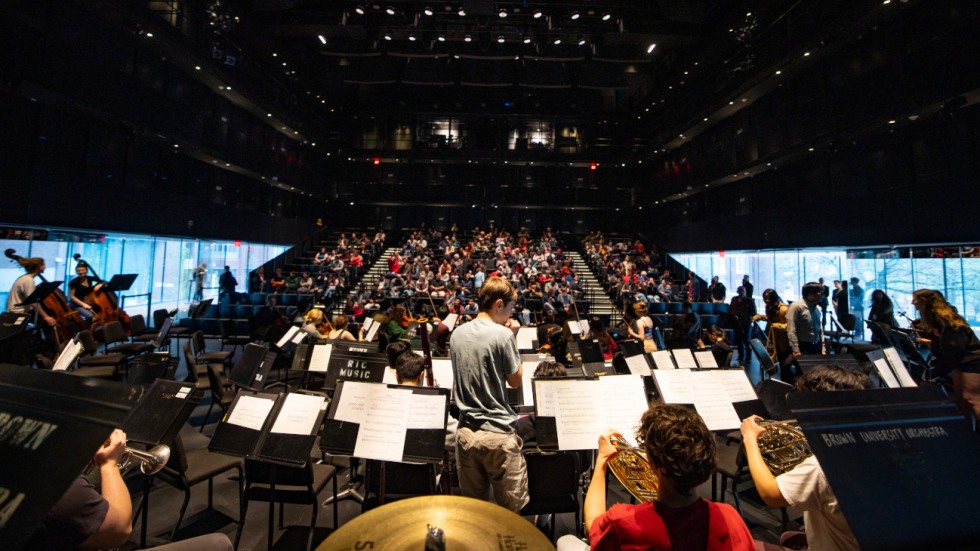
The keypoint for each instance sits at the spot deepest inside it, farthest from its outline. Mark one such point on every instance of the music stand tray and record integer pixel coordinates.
(121, 282)
(41, 292)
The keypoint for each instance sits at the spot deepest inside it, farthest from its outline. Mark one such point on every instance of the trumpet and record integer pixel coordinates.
(150, 461)
(630, 466)
(783, 446)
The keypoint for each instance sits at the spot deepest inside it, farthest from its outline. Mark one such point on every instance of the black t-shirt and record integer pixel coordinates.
(73, 519)
(82, 291)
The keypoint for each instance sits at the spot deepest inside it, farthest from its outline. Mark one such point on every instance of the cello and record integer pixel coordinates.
(105, 303)
(67, 321)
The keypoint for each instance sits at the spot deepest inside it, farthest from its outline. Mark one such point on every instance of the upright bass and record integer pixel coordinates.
(67, 321)
(105, 303)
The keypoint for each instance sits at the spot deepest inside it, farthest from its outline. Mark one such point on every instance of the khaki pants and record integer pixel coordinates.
(488, 461)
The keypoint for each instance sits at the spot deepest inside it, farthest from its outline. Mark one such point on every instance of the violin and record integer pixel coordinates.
(68, 322)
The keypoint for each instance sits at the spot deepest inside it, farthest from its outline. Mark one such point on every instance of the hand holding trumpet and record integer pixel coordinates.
(112, 450)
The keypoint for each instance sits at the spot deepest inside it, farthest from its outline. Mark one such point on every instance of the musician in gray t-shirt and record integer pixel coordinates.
(485, 359)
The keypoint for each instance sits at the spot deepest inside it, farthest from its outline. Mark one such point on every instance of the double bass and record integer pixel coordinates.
(68, 322)
(105, 303)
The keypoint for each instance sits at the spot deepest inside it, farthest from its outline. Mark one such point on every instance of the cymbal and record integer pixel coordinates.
(468, 523)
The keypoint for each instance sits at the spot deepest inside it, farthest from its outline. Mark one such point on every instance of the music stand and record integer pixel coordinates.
(200, 309)
(121, 282)
(41, 292)
(11, 325)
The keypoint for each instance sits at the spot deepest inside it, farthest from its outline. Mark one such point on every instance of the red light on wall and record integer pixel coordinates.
(593, 166)
(377, 160)
(238, 243)
(721, 253)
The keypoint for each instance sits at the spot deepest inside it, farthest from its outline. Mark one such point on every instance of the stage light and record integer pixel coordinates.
(581, 41)
(500, 39)
(502, 13)
(527, 39)
(467, 38)
(650, 48)
(377, 161)
(606, 16)
(593, 166)
(359, 9)
(323, 39)
(538, 14)
(441, 37)
(576, 15)
(390, 10)
(428, 11)
(461, 12)
(411, 36)
(387, 36)
(557, 40)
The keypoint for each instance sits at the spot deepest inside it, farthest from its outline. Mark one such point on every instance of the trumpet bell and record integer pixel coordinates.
(150, 461)
(630, 466)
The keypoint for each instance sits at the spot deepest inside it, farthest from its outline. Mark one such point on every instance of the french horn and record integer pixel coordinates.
(783, 446)
(630, 466)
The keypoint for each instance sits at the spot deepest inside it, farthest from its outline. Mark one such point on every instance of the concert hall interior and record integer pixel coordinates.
(253, 199)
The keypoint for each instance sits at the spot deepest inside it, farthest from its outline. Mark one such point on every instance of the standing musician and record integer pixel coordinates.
(80, 288)
(24, 286)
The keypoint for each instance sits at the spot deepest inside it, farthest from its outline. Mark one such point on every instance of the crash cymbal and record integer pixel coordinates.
(467, 523)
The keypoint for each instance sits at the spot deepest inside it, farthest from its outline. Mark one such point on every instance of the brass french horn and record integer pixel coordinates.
(630, 466)
(783, 446)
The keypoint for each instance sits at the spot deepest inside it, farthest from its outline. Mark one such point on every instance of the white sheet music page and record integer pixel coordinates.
(382, 434)
(450, 321)
(713, 403)
(573, 327)
(320, 358)
(706, 359)
(67, 356)
(736, 384)
(575, 414)
(428, 411)
(676, 386)
(372, 330)
(442, 372)
(898, 366)
(525, 338)
(583, 326)
(638, 365)
(544, 390)
(251, 412)
(298, 337)
(290, 333)
(662, 359)
(390, 377)
(527, 385)
(298, 414)
(624, 401)
(885, 372)
(354, 399)
(684, 358)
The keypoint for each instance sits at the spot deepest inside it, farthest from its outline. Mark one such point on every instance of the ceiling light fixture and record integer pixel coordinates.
(581, 41)
(323, 39)
(390, 10)
(576, 15)
(650, 48)
(500, 39)
(387, 36)
(461, 12)
(428, 11)
(606, 16)
(502, 13)
(557, 40)
(527, 39)
(441, 37)
(467, 38)
(411, 36)
(359, 9)
(538, 14)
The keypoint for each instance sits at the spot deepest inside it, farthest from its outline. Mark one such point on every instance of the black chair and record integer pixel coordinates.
(282, 484)
(92, 364)
(733, 466)
(202, 356)
(196, 370)
(176, 331)
(230, 336)
(189, 468)
(769, 367)
(138, 331)
(553, 485)
(113, 332)
(402, 480)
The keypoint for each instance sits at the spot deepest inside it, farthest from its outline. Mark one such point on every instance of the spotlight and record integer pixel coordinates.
(538, 14)
(461, 12)
(576, 15)
(557, 40)
(390, 10)
(502, 13)
(441, 37)
(500, 38)
(323, 39)
(606, 16)
(527, 39)
(411, 37)
(650, 48)
(467, 38)
(581, 41)
(428, 11)
(387, 36)
(359, 9)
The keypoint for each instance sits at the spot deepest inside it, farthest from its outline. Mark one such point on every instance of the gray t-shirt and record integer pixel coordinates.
(23, 287)
(483, 354)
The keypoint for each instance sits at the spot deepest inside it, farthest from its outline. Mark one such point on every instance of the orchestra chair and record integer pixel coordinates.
(733, 466)
(769, 367)
(222, 392)
(201, 355)
(196, 370)
(553, 486)
(113, 332)
(138, 330)
(93, 364)
(283, 484)
(176, 331)
(187, 468)
(153, 366)
(230, 336)
(402, 480)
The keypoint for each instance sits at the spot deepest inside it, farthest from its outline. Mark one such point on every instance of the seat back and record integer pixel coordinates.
(191, 363)
(217, 384)
(113, 332)
(721, 308)
(89, 346)
(759, 350)
(552, 482)
(159, 316)
(137, 324)
(262, 472)
(197, 339)
(158, 365)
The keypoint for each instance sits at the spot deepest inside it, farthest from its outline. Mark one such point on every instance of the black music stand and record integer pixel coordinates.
(252, 369)
(73, 416)
(121, 282)
(199, 309)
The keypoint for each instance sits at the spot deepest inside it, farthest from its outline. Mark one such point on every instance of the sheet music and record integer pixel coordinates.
(442, 372)
(390, 377)
(574, 328)
(898, 366)
(624, 401)
(298, 337)
(290, 333)
(717, 412)
(684, 358)
(736, 384)
(706, 359)
(575, 415)
(383, 430)
(662, 359)
(675, 386)
(450, 321)
(527, 383)
(638, 364)
(885, 371)
(320, 358)
(298, 414)
(544, 390)
(372, 330)
(251, 412)
(428, 411)
(525, 338)
(583, 326)
(355, 398)
(68, 355)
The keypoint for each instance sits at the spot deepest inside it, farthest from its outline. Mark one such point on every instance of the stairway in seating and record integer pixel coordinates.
(599, 302)
(370, 278)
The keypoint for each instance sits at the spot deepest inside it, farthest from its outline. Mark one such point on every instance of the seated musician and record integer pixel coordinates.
(805, 486)
(24, 286)
(714, 338)
(398, 326)
(80, 288)
(339, 329)
(86, 518)
(683, 453)
(315, 324)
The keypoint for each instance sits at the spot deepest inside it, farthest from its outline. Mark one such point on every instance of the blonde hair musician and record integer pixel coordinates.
(316, 324)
